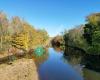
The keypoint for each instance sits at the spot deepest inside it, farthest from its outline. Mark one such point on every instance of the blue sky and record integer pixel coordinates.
(53, 15)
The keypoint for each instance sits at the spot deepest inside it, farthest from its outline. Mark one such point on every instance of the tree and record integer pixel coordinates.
(21, 41)
(74, 37)
(3, 29)
(92, 33)
(20, 34)
(16, 25)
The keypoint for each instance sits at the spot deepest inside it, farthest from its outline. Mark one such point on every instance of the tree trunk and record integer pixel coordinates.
(1, 43)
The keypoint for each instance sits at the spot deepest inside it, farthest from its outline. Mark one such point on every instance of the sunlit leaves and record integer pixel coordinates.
(20, 34)
(92, 33)
(94, 19)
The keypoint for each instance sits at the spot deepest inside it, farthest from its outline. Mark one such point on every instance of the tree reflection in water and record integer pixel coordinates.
(84, 70)
(86, 65)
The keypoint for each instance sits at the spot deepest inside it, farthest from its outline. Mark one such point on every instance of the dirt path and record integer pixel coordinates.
(22, 69)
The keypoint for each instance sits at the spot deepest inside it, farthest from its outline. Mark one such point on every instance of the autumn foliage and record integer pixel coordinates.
(19, 34)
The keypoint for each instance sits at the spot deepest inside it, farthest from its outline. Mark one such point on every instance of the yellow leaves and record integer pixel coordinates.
(26, 41)
(19, 33)
(94, 18)
(21, 41)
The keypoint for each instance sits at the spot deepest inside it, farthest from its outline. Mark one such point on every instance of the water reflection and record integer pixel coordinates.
(55, 66)
(74, 62)
(84, 70)
(90, 74)
(55, 69)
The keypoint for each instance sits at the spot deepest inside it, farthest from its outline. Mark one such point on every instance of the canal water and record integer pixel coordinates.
(56, 68)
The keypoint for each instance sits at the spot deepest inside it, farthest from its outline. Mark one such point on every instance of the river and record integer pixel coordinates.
(54, 68)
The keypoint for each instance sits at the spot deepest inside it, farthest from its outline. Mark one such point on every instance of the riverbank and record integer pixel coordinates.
(21, 69)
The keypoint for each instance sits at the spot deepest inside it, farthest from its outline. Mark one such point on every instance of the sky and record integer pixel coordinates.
(52, 15)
